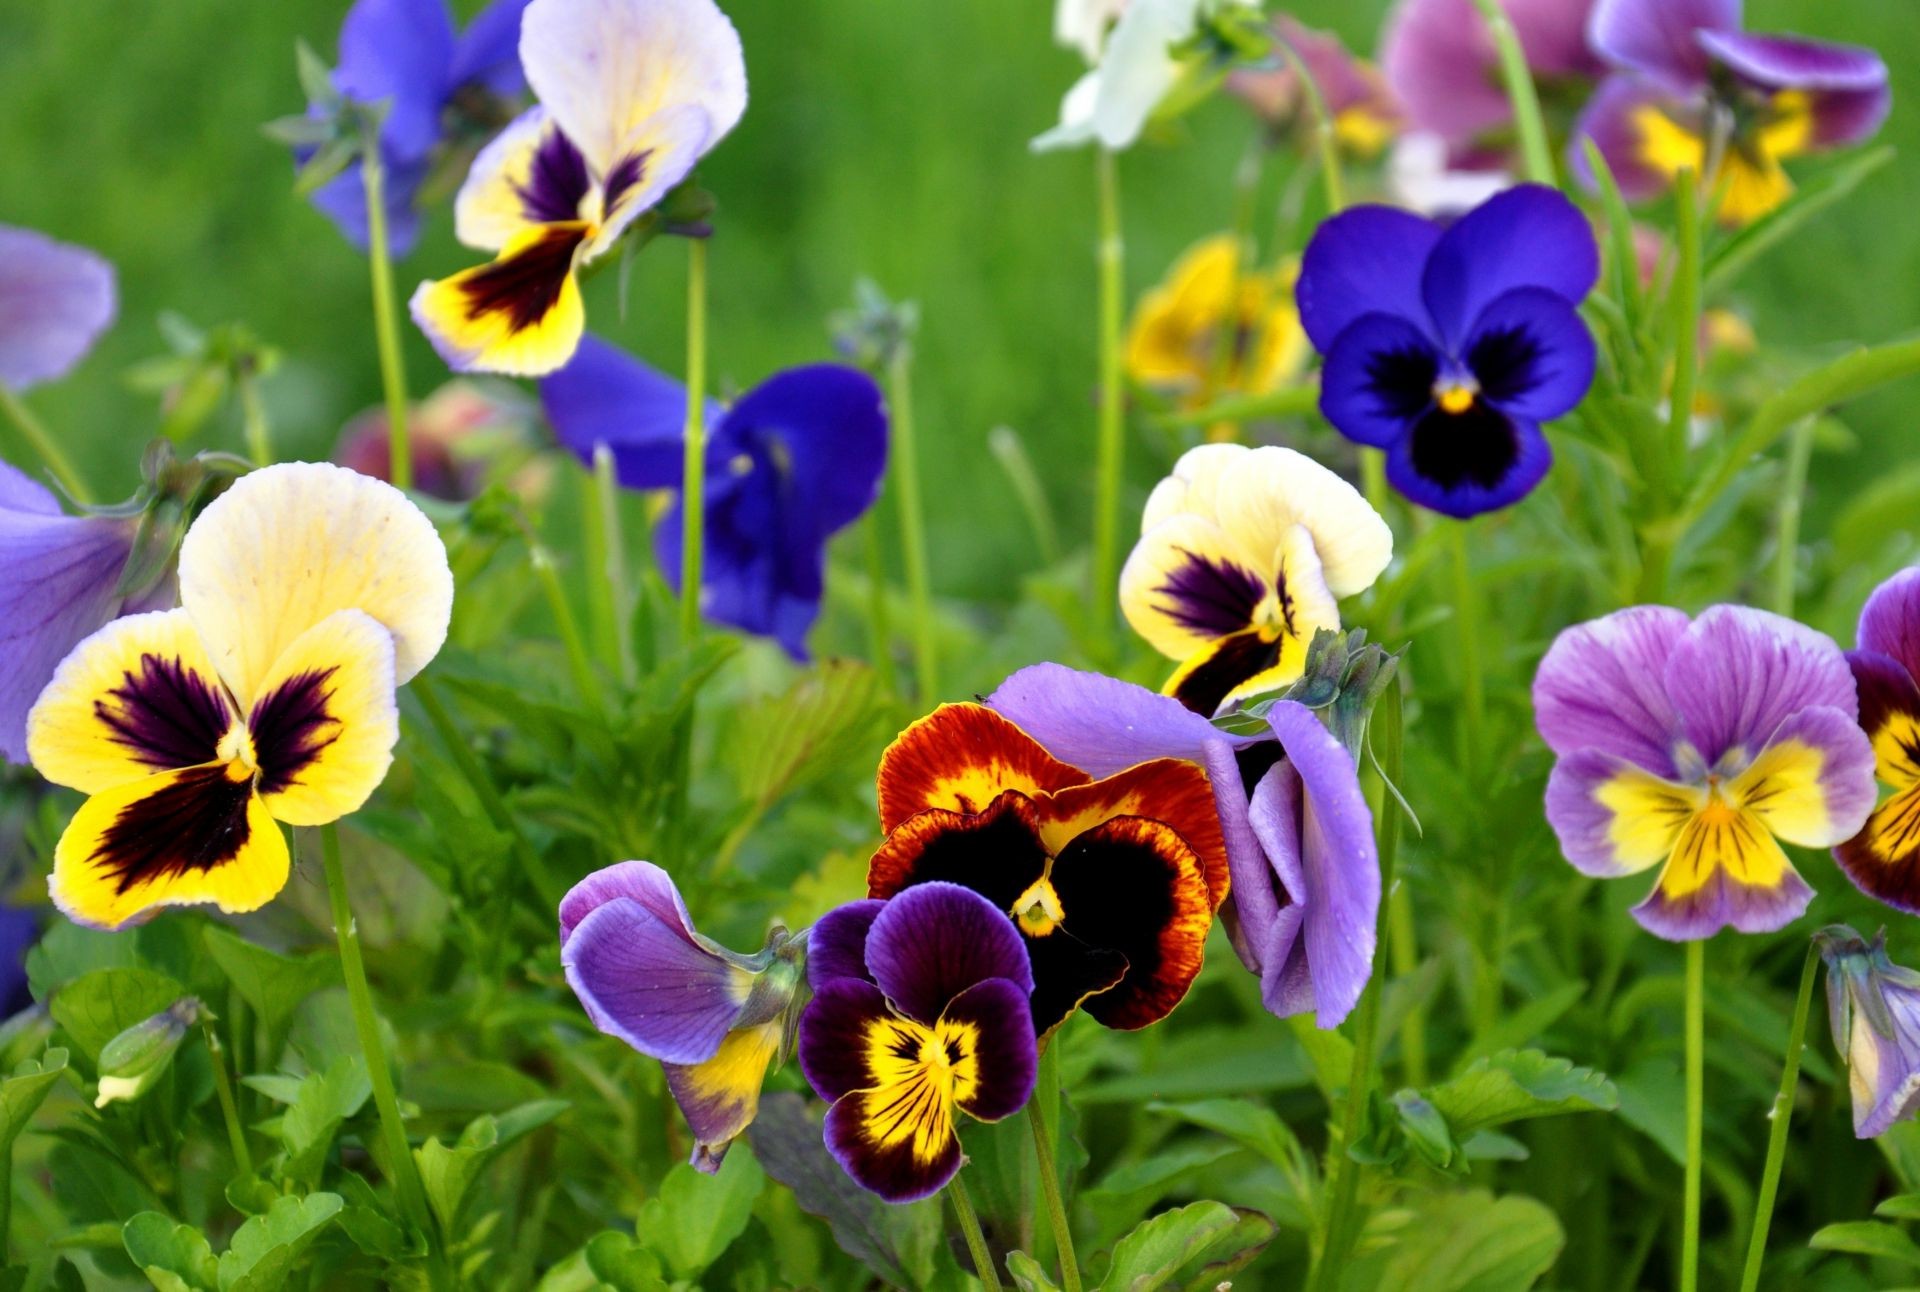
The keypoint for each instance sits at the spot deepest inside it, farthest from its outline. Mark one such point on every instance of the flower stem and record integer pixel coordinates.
(393, 367)
(1047, 1090)
(913, 524)
(1529, 123)
(617, 584)
(35, 432)
(1111, 446)
(1404, 941)
(693, 485)
(253, 416)
(1787, 530)
(1780, 1120)
(1685, 304)
(970, 1229)
(1466, 611)
(1696, 1106)
(1326, 135)
(584, 680)
(229, 1108)
(879, 624)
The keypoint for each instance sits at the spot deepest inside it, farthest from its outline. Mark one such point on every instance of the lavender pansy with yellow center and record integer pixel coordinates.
(55, 301)
(714, 1018)
(1884, 858)
(1874, 1008)
(1242, 556)
(307, 594)
(1686, 71)
(1450, 346)
(632, 94)
(919, 1013)
(1695, 746)
(1297, 830)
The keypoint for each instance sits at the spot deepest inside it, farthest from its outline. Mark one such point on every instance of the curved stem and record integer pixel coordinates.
(1696, 1103)
(913, 524)
(1685, 305)
(1048, 1090)
(393, 368)
(693, 484)
(35, 433)
(1787, 530)
(1110, 458)
(585, 681)
(229, 1107)
(1780, 1119)
(1326, 135)
(1531, 125)
(970, 1230)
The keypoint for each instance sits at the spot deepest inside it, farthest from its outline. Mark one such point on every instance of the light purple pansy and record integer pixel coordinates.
(1696, 746)
(1300, 840)
(1874, 1008)
(55, 301)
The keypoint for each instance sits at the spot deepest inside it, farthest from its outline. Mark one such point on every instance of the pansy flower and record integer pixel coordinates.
(632, 94)
(307, 594)
(714, 1018)
(1364, 111)
(1884, 858)
(1687, 72)
(793, 461)
(1083, 24)
(1873, 1006)
(919, 1013)
(1695, 746)
(1242, 557)
(1217, 326)
(19, 930)
(435, 85)
(455, 435)
(55, 301)
(1299, 835)
(1449, 346)
(1112, 882)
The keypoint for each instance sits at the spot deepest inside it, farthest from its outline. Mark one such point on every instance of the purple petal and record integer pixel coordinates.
(55, 301)
(1588, 795)
(1532, 354)
(1658, 38)
(1269, 887)
(1724, 903)
(1553, 35)
(1103, 725)
(398, 52)
(1440, 60)
(1602, 686)
(20, 492)
(720, 1097)
(825, 425)
(833, 1044)
(1847, 83)
(1495, 466)
(1890, 621)
(1612, 120)
(935, 940)
(894, 1170)
(1378, 378)
(1885, 1070)
(1366, 260)
(19, 930)
(1737, 673)
(606, 396)
(1527, 236)
(641, 881)
(837, 946)
(1005, 1053)
(343, 200)
(487, 53)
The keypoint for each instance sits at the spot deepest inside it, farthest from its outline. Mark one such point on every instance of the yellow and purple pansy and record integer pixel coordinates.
(919, 1013)
(1696, 746)
(1686, 72)
(1884, 858)
(1243, 555)
(1873, 1006)
(632, 93)
(307, 594)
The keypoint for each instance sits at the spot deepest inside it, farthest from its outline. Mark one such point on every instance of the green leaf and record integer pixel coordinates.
(1902, 1206)
(98, 1006)
(173, 1256)
(270, 982)
(1153, 1254)
(25, 1089)
(1248, 1124)
(622, 1264)
(1868, 1238)
(1516, 1085)
(1462, 1242)
(831, 715)
(1732, 257)
(449, 1172)
(322, 1103)
(787, 1141)
(694, 1218)
(1027, 1274)
(1230, 1251)
(264, 1249)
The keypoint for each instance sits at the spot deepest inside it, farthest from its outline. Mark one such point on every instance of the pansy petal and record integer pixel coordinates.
(1890, 621)
(1613, 817)
(1618, 118)
(1471, 463)
(651, 161)
(1531, 354)
(997, 853)
(1883, 860)
(896, 1141)
(1726, 871)
(138, 697)
(519, 315)
(1737, 673)
(1274, 489)
(834, 1034)
(1175, 792)
(177, 838)
(325, 723)
(1366, 260)
(1378, 379)
(1813, 783)
(765, 566)
(993, 1025)
(55, 301)
(1602, 685)
(1528, 236)
(1883, 1071)
(837, 943)
(1269, 885)
(1889, 714)
(824, 428)
(1847, 83)
(1441, 61)
(721, 1096)
(527, 175)
(487, 53)
(937, 939)
(1103, 724)
(1193, 484)
(1660, 39)
(606, 396)
(641, 979)
(398, 53)
(639, 881)
(1187, 584)
(961, 757)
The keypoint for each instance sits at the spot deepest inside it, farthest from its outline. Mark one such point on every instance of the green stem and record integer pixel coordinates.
(879, 624)
(1373, 478)
(35, 432)
(1696, 1104)
(913, 524)
(1685, 321)
(617, 582)
(1047, 1090)
(593, 555)
(1779, 1121)
(1406, 959)
(693, 489)
(6, 1193)
(498, 814)
(578, 664)
(1326, 135)
(253, 417)
(393, 368)
(1527, 119)
(1466, 611)
(970, 1229)
(1787, 530)
(1110, 456)
(229, 1107)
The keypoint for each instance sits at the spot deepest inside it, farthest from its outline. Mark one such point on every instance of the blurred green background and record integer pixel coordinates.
(883, 139)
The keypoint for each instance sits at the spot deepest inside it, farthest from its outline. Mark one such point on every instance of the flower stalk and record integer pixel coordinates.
(970, 1230)
(35, 432)
(1048, 1090)
(1535, 151)
(1111, 445)
(393, 367)
(913, 525)
(1779, 1121)
(1696, 1113)
(693, 489)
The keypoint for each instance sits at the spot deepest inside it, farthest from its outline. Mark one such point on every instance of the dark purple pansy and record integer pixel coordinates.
(55, 301)
(1449, 346)
(796, 459)
(407, 55)
(920, 1011)
(1884, 858)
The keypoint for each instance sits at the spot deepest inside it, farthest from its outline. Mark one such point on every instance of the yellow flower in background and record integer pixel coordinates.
(308, 593)
(1216, 327)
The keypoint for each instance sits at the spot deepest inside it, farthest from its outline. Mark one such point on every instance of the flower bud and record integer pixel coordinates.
(131, 1062)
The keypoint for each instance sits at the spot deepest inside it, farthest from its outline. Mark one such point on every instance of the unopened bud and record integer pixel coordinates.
(131, 1062)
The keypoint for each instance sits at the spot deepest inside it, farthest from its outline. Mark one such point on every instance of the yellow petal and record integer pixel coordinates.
(326, 723)
(520, 315)
(1187, 584)
(492, 208)
(1648, 814)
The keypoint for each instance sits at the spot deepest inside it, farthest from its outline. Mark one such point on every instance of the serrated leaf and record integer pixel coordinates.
(266, 1247)
(25, 1089)
(98, 1006)
(273, 984)
(321, 1105)
(1516, 1085)
(1154, 1253)
(787, 1142)
(832, 714)
(695, 1218)
(1868, 1238)
(170, 1255)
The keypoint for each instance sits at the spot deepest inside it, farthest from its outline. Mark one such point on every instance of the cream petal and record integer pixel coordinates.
(1194, 484)
(493, 203)
(1272, 489)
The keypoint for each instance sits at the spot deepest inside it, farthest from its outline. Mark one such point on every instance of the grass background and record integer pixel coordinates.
(882, 139)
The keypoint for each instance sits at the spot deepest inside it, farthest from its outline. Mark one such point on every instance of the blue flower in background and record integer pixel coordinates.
(19, 930)
(796, 459)
(1449, 346)
(435, 82)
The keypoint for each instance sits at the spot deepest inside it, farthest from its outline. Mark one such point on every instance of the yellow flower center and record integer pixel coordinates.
(1455, 394)
(237, 752)
(1038, 910)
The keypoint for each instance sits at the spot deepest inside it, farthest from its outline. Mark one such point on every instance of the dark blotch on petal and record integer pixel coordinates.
(291, 727)
(197, 822)
(556, 182)
(625, 176)
(526, 285)
(997, 854)
(1477, 447)
(1506, 363)
(1232, 661)
(1067, 971)
(1211, 598)
(1402, 380)
(167, 715)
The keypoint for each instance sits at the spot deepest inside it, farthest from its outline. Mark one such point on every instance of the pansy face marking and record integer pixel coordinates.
(1884, 858)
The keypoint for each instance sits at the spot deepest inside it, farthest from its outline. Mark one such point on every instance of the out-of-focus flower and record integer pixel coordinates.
(308, 593)
(1874, 1008)
(1694, 91)
(1884, 858)
(1242, 556)
(1423, 178)
(134, 1059)
(920, 1011)
(1694, 746)
(1298, 832)
(633, 93)
(714, 1018)
(794, 460)
(19, 930)
(1449, 346)
(55, 301)
(1216, 327)
(453, 434)
(1083, 24)
(1113, 883)
(1365, 114)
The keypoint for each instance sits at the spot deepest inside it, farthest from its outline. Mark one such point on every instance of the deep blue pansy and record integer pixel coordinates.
(794, 460)
(1450, 346)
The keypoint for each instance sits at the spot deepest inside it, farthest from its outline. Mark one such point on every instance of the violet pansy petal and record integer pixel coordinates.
(1103, 725)
(1365, 260)
(487, 53)
(837, 944)
(1890, 621)
(1005, 1052)
(1848, 84)
(1439, 58)
(934, 941)
(1737, 673)
(824, 430)
(1884, 1071)
(1531, 354)
(1819, 785)
(55, 301)
(397, 52)
(1611, 119)
(1659, 38)
(1724, 902)
(1378, 377)
(895, 1169)
(606, 396)
(21, 493)
(720, 1097)
(1527, 236)
(1602, 685)
(1553, 35)
(1269, 910)
(640, 979)
(1497, 468)
(1613, 817)
(640, 881)
(833, 1040)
